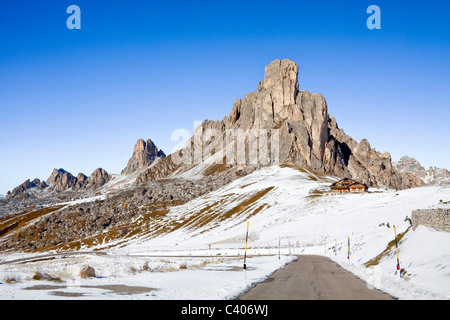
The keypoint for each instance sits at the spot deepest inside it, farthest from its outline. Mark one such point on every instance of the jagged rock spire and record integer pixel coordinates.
(144, 154)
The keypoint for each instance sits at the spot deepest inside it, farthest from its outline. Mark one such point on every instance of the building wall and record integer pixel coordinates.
(438, 219)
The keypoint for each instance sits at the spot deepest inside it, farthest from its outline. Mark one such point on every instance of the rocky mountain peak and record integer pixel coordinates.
(61, 180)
(281, 75)
(144, 154)
(55, 174)
(408, 164)
(432, 176)
(25, 186)
(307, 136)
(98, 178)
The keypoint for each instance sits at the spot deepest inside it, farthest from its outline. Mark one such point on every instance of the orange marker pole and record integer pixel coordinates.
(245, 252)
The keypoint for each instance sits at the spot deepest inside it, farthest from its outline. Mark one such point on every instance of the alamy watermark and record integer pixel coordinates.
(229, 146)
(374, 20)
(74, 20)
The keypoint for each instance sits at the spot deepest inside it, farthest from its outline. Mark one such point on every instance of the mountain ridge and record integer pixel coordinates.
(307, 135)
(295, 124)
(62, 181)
(431, 176)
(291, 128)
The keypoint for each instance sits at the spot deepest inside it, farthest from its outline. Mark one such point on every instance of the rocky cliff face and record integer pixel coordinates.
(300, 117)
(303, 132)
(346, 157)
(432, 176)
(308, 136)
(144, 154)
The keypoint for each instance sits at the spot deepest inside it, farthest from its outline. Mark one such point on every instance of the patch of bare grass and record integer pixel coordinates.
(14, 223)
(374, 261)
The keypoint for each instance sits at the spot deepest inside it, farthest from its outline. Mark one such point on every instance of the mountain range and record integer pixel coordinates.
(432, 176)
(306, 135)
(268, 164)
(293, 122)
(63, 182)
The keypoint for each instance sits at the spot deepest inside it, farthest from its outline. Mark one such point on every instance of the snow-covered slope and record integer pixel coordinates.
(279, 203)
(283, 204)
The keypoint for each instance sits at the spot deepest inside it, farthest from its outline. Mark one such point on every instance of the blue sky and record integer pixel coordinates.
(79, 99)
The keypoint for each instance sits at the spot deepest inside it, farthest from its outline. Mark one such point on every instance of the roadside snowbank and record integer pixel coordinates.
(131, 277)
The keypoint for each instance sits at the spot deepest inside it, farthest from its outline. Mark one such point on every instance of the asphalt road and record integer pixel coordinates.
(313, 278)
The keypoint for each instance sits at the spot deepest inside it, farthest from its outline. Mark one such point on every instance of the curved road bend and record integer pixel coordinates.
(313, 277)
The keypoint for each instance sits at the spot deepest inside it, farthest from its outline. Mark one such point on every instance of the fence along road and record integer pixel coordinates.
(313, 277)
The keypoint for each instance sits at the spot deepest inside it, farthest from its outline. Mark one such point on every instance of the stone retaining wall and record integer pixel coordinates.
(438, 219)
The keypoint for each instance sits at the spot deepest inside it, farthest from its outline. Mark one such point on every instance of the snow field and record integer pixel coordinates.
(205, 262)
